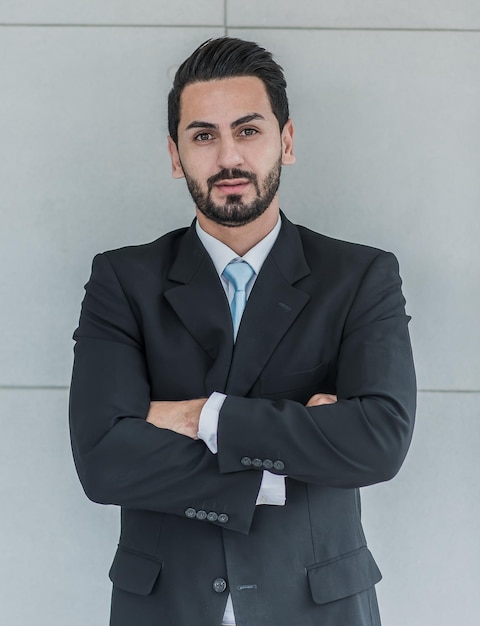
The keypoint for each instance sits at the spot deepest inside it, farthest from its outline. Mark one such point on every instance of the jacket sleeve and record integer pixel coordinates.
(364, 437)
(120, 458)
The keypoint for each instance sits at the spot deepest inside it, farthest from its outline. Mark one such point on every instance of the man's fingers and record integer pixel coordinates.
(321, 398)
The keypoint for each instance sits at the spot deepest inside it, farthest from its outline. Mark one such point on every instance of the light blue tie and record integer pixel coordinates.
(238, 274)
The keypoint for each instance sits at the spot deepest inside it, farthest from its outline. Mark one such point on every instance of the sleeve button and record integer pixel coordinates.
(257, 463)
(268, 464)
(201, 515)
(223, 518)
(212, 516)
(247, 461)
(279, 465)
(190, 512)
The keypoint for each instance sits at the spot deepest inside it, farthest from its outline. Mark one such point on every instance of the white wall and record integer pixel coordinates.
(385, 96)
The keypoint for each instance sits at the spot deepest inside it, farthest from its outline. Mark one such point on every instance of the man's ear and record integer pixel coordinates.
(177, 169)
(288, 158)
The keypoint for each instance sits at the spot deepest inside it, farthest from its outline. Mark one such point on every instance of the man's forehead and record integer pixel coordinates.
(234, 97)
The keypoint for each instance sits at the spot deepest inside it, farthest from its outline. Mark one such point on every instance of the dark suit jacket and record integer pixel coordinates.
(323, 316)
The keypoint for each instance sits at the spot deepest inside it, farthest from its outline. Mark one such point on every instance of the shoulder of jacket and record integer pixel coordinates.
(315, 241)
(146, 252)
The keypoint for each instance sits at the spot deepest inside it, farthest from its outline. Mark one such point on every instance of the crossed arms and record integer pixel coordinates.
(133, 452)
(182, 417)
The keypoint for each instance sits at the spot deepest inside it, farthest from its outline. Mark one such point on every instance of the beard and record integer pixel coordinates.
(234, 212)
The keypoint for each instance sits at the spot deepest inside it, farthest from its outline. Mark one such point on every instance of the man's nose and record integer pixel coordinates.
(229, 154)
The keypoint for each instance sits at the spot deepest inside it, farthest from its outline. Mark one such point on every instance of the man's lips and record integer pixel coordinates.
(236, 185)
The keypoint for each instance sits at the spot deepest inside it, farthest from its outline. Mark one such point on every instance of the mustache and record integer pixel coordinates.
(229, 175)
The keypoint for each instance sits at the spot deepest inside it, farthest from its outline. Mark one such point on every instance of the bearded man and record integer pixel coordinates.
(237, 381)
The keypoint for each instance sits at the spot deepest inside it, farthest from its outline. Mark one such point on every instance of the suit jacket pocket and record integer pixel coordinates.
(134, 571)
(304, 379)
(343, 576)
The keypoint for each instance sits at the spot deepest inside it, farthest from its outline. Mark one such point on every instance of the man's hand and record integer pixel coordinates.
(182, 417)
(321, 398)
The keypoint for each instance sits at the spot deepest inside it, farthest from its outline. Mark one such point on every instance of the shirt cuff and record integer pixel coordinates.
(208, 422)
(272, 490)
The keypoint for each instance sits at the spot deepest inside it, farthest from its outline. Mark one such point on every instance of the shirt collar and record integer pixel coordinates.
(222, 255)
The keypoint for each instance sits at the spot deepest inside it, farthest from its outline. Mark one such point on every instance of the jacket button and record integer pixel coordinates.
(257, 463)
(219, 585)
(247, 461)
(268, 464)
(279, 465)
(190, 513)
(223, 518)
(212, 516)
(201, 515)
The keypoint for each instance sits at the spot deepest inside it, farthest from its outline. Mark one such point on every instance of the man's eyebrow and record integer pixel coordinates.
(246, 118)
(242, 120)
(200, 124)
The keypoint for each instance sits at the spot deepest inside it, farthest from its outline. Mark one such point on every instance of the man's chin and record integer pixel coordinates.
(232, 215)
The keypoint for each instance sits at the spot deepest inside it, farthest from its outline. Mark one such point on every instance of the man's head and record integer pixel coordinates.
(228, 115)
(227, 57)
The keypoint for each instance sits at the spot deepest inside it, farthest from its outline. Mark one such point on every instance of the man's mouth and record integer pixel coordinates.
(232, 186)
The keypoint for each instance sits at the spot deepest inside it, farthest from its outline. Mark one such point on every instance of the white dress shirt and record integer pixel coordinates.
(272, 488)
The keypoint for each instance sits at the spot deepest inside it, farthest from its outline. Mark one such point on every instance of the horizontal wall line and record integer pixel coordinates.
(449, 391)
(244, 27)
(34, 387)
(66, 387)
(66, 25)
(360, 28)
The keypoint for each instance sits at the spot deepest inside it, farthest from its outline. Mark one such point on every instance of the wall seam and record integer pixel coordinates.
(359, 28)
(65, 387)
(227, 26)
(47, 25)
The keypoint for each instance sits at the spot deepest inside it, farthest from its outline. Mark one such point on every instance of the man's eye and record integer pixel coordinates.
(248, 132)
(203, 137)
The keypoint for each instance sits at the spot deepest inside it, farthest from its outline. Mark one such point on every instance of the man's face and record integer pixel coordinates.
(230, 149)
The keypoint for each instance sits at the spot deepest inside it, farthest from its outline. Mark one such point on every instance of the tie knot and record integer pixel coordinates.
(238, 273)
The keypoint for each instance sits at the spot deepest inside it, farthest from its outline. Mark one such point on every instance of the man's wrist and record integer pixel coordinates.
(208, 422)
(272, 490)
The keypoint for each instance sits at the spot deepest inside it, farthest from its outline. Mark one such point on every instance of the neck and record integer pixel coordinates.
(241, 239)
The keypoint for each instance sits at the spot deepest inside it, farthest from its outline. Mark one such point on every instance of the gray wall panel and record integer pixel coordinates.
(388, 146)
(388, 138)
(164, 12)
(423, 525)
(353, 14)
(55, 546)
(84, 168)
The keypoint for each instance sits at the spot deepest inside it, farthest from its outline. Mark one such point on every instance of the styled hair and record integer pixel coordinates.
(228, 57)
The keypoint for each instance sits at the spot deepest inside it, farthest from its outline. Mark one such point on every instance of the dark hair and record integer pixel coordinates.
(227, 57)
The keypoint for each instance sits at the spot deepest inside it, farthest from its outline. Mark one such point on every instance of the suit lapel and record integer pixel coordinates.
(201, 305)
(272, 307)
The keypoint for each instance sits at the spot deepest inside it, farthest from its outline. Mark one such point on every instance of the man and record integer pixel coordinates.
(237, 381)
